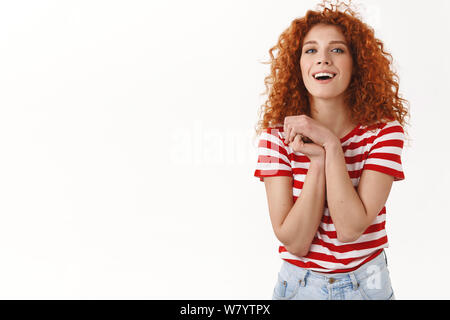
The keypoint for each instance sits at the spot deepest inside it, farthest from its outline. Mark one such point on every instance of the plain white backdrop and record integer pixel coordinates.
(127, 148)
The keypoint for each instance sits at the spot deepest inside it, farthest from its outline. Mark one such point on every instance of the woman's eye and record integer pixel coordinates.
(341, 51)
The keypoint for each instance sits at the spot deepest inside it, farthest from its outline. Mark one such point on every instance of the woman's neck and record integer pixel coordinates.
(333, 114)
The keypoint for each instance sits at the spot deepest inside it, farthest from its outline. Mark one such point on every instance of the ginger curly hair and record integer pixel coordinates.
(372, 93)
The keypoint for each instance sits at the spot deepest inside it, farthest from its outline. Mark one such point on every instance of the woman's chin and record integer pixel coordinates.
(325, 95)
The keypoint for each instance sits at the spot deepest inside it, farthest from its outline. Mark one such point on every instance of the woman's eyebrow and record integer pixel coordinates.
(331, 42)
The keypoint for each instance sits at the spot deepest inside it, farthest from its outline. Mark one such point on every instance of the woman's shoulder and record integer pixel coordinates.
(382, 126)
(277, 131)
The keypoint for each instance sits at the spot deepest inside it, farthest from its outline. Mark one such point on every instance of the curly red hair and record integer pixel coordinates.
(372, 94)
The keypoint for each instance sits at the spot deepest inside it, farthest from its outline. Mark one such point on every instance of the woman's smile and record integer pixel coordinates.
(324, 76)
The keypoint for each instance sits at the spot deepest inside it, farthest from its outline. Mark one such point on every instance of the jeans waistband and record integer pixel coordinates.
(356, 276)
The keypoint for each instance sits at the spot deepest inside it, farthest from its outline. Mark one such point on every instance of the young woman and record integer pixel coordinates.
(330, 146)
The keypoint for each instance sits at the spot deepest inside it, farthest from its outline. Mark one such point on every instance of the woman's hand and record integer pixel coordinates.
(308, 128)
(313, 151)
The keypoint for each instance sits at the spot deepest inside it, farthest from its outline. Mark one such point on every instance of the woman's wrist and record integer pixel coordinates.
(333, 149)
(318, 162)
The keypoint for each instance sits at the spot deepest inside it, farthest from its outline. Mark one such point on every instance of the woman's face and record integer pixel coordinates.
(325, 49)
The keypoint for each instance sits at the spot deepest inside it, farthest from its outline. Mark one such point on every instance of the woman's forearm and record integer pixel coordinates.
(346, 208)
(302, 222)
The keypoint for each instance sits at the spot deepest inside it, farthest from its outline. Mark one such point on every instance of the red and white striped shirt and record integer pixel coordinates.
(379, 149)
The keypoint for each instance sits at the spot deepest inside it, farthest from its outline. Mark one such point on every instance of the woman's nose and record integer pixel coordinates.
(323, 60)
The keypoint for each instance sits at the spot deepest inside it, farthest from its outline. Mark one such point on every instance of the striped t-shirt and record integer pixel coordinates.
(378, 149)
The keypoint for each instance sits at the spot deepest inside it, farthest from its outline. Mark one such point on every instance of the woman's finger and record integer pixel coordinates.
(288, 135)
(293, 134)
(298, 139)
(297, 143)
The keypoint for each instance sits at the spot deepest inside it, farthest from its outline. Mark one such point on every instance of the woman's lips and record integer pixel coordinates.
(324, 81)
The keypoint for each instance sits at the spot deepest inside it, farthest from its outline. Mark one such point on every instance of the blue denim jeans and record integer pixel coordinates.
(371, 281)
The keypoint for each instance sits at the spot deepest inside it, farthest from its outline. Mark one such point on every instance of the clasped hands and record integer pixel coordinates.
(306, 135)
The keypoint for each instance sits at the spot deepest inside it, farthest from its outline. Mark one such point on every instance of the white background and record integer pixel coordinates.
(127, 148)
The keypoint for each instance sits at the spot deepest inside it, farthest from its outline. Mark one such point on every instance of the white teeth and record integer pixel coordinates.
(324, 74)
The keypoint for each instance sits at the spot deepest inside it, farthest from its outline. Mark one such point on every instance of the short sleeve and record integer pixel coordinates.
(273, 156)
(385, 154)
